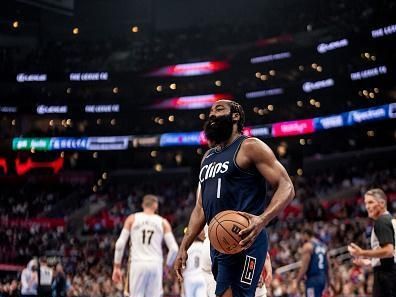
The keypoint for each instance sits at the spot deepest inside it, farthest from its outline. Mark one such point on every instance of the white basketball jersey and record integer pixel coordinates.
(193, 264)
(206, 263)
(147, 233)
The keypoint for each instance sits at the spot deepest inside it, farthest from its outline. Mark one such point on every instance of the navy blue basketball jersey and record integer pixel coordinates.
(318, 264)
(226, 186)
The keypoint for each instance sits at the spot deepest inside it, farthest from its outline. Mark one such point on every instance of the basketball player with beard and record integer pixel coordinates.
(233, 176)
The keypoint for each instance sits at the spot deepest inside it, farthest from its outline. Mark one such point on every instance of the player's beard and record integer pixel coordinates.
(219, 129)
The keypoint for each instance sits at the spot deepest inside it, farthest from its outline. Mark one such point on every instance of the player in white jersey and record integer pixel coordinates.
(206, 266)
(265, 278)
(146, 231)
(194, 281)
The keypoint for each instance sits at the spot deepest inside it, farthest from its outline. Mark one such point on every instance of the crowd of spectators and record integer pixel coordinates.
(88, 264)
(87, 258)
(30, 200)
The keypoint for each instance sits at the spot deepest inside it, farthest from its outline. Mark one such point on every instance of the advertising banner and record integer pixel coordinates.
(293, 128)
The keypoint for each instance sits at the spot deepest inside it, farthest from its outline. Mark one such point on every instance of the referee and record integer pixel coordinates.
(382, 253)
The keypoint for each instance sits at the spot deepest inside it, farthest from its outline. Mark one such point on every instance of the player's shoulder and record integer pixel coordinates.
(161, 218)
(308, 246)
(133, 216)
(253, 143)
(385, 219)
(129, 221)
(208, 152)
(256, 148)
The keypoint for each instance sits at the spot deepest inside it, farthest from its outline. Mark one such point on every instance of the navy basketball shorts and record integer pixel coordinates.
(241, 271)
(314, 287)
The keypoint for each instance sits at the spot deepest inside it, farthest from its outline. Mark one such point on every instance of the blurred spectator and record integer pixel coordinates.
(59, 283)
(29, 279)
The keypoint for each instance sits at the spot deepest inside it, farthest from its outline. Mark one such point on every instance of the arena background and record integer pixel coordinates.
(103, 101)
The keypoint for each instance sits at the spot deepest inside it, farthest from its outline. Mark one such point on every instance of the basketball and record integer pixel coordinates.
(224, 229)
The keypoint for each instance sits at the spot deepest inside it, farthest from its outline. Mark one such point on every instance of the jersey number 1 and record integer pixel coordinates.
(148, 236)
(218, 187)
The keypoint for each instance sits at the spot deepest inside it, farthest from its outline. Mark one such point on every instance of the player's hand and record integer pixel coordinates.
(268, 279)
(354, 250)
(361, 262)
(250, 233)
(294, 287)
(117, 275)
(180, 263)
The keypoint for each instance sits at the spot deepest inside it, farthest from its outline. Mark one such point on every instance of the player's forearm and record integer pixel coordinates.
(282, 197)
(301, 272)
(173, 248)
(195, 226)
(383, 252)
(120, 246)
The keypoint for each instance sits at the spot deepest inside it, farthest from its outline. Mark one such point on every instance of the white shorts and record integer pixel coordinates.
(261, 292)
(210, 283)
(194, 286)
(145, 279)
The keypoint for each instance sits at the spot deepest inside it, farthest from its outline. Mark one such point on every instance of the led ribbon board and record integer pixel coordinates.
(32, 77)
(281, 129)
(191, 69)
(191, 102)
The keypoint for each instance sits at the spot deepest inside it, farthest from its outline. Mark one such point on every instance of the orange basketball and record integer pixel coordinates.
(224, 229)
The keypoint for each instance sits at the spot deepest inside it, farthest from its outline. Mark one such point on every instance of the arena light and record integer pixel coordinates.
(367, 73)
(383, 31)
(191, 69)
(191, 102)
(8, 109)
(102, 108)
(264, 93)
(308, 86)
(32, 77)
(89, 76)
(323, 48)
(269, 58)
(49, 109)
